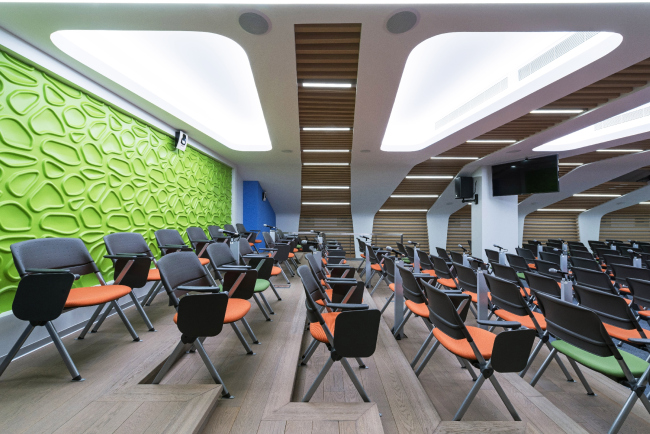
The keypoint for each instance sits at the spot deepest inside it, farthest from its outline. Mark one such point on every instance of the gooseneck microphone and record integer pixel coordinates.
(464, 249)
(500, 248)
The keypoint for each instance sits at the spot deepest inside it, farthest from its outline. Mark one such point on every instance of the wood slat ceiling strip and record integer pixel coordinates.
(327, 52)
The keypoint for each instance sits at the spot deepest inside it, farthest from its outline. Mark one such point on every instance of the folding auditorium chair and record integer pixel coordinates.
(551, 257)
(362, 249)
(245, 252)
(581, 337)
(170, 241)
(617, 317)
(71, 254)
(492, 255)
(589, 264)
(182, 272)
(199, 316)
(444, 277)
(280, 252)
(389, 268)
(532, 248)
(640, 297)
(622, 272)
(131, 269)
(133, 242)
(198, 240)
(528, 256)
(456, 257)
(518, 263)
(264, 266)
(468, 284)
(251, 235)
(376, 265)
(506, 352)
(581, 254)
(414, 299)
(509, 305)
(216, 233)
(508, 273)
(544, 284)
(442, 253)
(595, 279)
(544, 268)
(40, 299)
(426, 264)
(407, 259)
(337, 277)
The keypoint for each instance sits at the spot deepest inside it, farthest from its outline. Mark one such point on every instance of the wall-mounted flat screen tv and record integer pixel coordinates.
(535, 175)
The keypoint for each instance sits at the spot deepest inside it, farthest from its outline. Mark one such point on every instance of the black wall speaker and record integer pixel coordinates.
(464, 187)
(181, 140)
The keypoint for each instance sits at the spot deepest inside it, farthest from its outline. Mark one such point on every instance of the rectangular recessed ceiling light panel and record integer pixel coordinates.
(325, 187)
(203, 79)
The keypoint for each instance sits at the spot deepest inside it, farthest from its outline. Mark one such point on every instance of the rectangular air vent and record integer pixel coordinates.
(474, 102)
(625, 117)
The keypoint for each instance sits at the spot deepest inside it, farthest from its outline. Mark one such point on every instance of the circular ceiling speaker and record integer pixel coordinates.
(254, 23)
(402, 22)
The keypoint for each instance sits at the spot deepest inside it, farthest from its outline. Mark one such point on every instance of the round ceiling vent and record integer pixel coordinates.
(254, 23)
(402, 22)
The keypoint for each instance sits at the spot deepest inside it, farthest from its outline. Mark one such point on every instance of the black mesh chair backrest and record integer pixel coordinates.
(622, 272)
(582, 254)
(425, 261)
(246, 287)
(544, 268)
(41, 297)
(466, 278)
(126, 242)
(167, 237)
(550, 257)
(443, 314)
(546, 285)
(505, 272)
(617, 259)
(312, 293)
(589, 264)
(526, 254)
(356, 333)
(507, 296)
(441, 268)
(53, 253)
(456, 257)
(610, 308)
(492, 255)
(443, 254)
(641, 291)
(518, 263)
(202, 315)
(182, 268)
(577, 326)
(594, 279)
(220, 254)
(411, 287)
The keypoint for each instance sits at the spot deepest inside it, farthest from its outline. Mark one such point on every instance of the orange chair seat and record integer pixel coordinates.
(316, 329)
(276, 271)
(154, 274)
(524, 320)
(449, 283)
(644, 312)
(295, 250)
(391, 286)
(329, 293)
(430, 272)
(525, 292)
(420, 309)
(292, 255)
(473, 295)
(625, 290)
(532, 266)
(94, 295)
(363, 255)
(251, 244)
(375, 267)
(483, 339)
(258, 241)
(236, 310)
(204, 261)
(620, 333)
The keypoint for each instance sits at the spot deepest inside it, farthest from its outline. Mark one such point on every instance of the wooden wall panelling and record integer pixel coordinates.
(459, 230)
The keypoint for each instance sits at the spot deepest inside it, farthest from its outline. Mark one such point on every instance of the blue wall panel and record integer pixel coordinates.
(257, 212)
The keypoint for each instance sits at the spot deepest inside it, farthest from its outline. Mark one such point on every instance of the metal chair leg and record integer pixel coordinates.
(534, 354)
(624, 413)
(424, 346)
(261, 307)
(355, 380)
(154, 295)
(241, 339)
(150, 295)
(175, 355)
(383, 276)
(14, 350)
(542, 368)
(92, 319)
(392, 296)
(125, 320)
(469, 398)
(582, 378)
(309, 351)
(568, 376)
(266, 303)
(285, 276)
(249, 330)
(213, 371)
(426, 359)
(504, 398)
(76, 376)
(318, 380)
(361, 364)
(470, 369)
(142, 313)
(399, 328)
(275, 291)
(102, 318)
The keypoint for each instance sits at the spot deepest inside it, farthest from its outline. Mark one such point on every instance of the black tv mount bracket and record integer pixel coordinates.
(474, 201)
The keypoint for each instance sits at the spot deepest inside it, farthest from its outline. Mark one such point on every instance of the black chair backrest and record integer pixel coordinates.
(443, 314)
(166, 237)
(316, 264)
(641, 291)
(622, 272)
(532, 248)
(264, 267)
(246, 287)
(466, 278)
(589, 264)
(126, 242)
(594, 279)
(610, 308)
(220, 254)
(41, 297)
(603, 250)
(550, 257)
(443, 254)
(578, 248)
(441, 268)
(202, 315)
(389, 268)
(492, 255)
(356, 333)
(544, 267)
(195, 233)
(507, 296)
(554, 243)
(216, 233)
(518, 263)
(456, 257)
(425, 261)
(403, 251)
(617, 259)
(53, 253)
(182, 268)
(577, 326)
(245, 247)
(526, 254)
(551, 249)
(230, 228)
(312, 293)
(411, 287)
(410, 252)
(546, 285)
(240, 228)
(581, 254)
(505, 272)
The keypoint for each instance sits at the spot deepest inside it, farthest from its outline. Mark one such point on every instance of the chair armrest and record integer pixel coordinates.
(639, 341)
(199, 288)
(242, 268)
(339, 266)
(176, 246)
(423, 276)
(267, 249)
(347, 306)
(506, 324)
(255, 255)
(126, 256)
(341, 280)
(237, 265)
(47, 270)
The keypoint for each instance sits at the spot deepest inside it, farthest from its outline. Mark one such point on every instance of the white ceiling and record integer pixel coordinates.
(381, 63)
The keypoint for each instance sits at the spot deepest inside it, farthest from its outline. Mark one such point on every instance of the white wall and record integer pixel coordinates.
(437, 227)
(237, 210)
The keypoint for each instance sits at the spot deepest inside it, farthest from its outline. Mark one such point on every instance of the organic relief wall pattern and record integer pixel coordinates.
(71, 166)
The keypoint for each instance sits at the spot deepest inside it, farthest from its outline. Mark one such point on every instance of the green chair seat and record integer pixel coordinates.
(261, 285)
(298, 246)
(407, 261)
(521, 275)
(605, 365)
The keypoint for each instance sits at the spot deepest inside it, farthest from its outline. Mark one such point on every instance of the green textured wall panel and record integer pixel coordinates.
(71, 166)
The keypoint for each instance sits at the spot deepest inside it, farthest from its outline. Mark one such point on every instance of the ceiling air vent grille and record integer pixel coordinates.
(556, 52)
(474, 102)
(621, 119)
